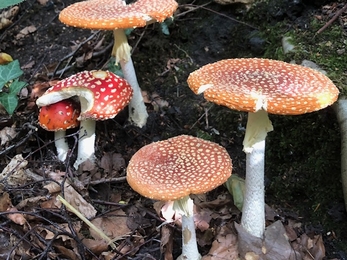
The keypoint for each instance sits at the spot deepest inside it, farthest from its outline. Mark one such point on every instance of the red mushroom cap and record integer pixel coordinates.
(177, 167)
(114, 14)
(59, 116)
(102, 94)
(253, 84)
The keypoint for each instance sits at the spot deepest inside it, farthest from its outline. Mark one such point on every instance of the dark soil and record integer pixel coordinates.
(199, 34)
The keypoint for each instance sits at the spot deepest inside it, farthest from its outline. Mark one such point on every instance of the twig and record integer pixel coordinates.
(85, 220)
(213, 11)
(108, 180)
(74, 52)
(337, 14)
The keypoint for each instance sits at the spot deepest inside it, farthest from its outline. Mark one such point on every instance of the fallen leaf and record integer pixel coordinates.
(7, 15)
(7, 134)
(158, 103)
(42, 2)
(28, 65)
(112, 163)
(17, 218)
(224, 246)
(25, 31)
(5, 201)
(6, 206)
(166, 242)
(67, 253)
(5, 58)
(112, 225)
(48, 234)
(14, 171)
(275, 244)
(71, 196)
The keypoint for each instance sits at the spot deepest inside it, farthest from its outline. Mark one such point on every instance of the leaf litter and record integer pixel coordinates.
(39, 225)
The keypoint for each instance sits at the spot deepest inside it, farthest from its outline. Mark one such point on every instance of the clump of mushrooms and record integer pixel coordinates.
(259, 87)
(172, 169)
(102, 95)
(116, 15)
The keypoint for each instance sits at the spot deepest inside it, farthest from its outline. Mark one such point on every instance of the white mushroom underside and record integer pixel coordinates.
(86, 98)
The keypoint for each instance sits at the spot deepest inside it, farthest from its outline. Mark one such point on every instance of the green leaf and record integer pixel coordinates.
(10, 102)
(165, 26)
(16, 86)
(164, 29)
(9, 99)
(9, 72)
(236, 187)
(7, 3)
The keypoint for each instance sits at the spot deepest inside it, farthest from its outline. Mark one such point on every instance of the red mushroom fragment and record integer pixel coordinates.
(102, 95)
(173, 169)
(261, 86)
(59, 117)
(116, 15)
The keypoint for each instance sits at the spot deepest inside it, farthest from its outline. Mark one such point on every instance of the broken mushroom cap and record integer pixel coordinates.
(253, 84)
(59, 116)
(114, 14)
(102, 94)
(177, 167)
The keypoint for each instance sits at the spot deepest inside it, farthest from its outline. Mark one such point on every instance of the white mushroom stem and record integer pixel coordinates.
(340, 108)
(61, 144)
(185, 207)
(121, 50)
(253, 211)
(86, 142)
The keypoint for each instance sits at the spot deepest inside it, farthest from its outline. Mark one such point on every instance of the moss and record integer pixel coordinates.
(303, 152)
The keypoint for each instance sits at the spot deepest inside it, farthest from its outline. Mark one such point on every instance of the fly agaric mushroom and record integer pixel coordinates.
(116, 15)
(173, 169)
(259, 87)
(102, 95)
(58, 117)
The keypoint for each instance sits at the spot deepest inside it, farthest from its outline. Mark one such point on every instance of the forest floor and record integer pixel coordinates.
(303, 188)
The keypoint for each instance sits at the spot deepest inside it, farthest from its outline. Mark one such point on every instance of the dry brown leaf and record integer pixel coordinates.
(224, 246)
(6, 206)
(166, 242)
(112, 163)
(310, 247)
(5, 58)
(15, 172)
(202, 218)
(42, 2)
(77, 201)
(7, 134)
(7, 15)
(52, 187)
(97, 246)
(67, 253)
(158, 103)
(77, 225)
(28, 65)
(10, 13)
(274, 246)
(17, 218)
(71, 196)
(25, 31)
(5, 202)
(114, 226)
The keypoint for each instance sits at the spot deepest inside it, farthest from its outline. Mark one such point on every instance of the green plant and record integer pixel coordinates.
(10, 85)
(7, 3)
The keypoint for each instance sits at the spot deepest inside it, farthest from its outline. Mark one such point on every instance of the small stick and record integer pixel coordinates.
(337, 14)
(85, 220)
